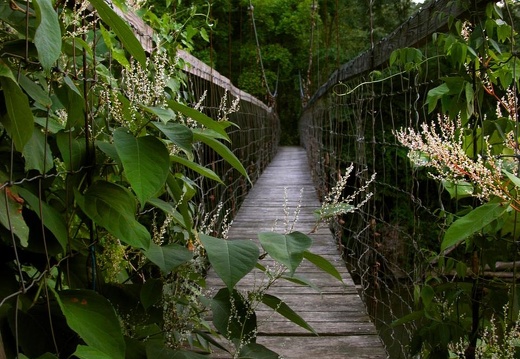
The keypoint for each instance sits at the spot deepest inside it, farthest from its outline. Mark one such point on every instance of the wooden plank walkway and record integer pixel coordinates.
(337, 313)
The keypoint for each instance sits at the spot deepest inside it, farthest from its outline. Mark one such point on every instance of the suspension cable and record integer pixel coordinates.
(272, 96)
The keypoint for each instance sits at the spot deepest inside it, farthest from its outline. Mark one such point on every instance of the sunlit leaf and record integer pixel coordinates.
(146, 162)
(231, 260)
(94, 319)
(47, 38)
(113, 207)
(287, 249)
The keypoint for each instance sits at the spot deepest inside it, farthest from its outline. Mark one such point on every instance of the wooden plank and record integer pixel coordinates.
(335, 311)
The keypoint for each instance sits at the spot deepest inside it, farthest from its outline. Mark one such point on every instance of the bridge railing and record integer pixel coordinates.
(351, 119)
(254, 139)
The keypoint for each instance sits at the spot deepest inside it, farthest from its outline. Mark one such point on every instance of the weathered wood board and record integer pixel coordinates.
(335, 311)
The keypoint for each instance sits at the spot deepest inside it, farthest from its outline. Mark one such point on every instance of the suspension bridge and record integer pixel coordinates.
(350, 119)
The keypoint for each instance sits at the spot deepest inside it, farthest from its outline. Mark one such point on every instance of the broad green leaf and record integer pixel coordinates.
(282, 308)
(322, 264)
(73, 101)
(19, 121)
(109, 149)
(164, 114)
(233, 320)
(151, 292)
(458, 190)
(121, 29)
(11, 214)
(472, 222)
(113, 207)
(180, 135)
(168, 257)
(231, 260)
(181, 198)
(169, 209)
(514, 179)
(435, 94)
(35, 91)
(116, 53)
(223, 151)
(73, 151)
(94, 319)
(52, 219)
(286, 249)
(37, 153)
(158, 350)
(86, 352)
(206, 172)
(47, 38)
(200, 118)
(257, 351)
(146, 162)
(427, 295)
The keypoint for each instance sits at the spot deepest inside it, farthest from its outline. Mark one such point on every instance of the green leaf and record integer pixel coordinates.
(257, 351)
(11, 214)
(35, 91)
(47, 38)
(181, 198)
(408, 318)
(52, 219)
(73, 151)
(121, 29)
(94, 319)
(232, 315)
(472, 222)
(164, 114)
(286, 249)
(222, 150)
(201, 118)
(168, 257)
(116, 54)
(513, 178)
(169, 209)
(19, 121)
(113, 207)
(180, 135)
(146, 162)
(435, 94)
(37, 153)
(427, 295)
(322, 264)
(282, 308)
(206, 172)
(458, 190)
(231, 260)
(86, 352)
(151, 292)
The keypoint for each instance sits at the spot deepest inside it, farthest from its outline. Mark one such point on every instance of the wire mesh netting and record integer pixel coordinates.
(391, 245)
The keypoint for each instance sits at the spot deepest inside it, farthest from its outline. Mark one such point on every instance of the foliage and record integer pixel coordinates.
(471, 149)
(100, 252)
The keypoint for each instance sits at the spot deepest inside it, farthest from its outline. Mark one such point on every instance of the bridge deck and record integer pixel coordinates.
(337, 313)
